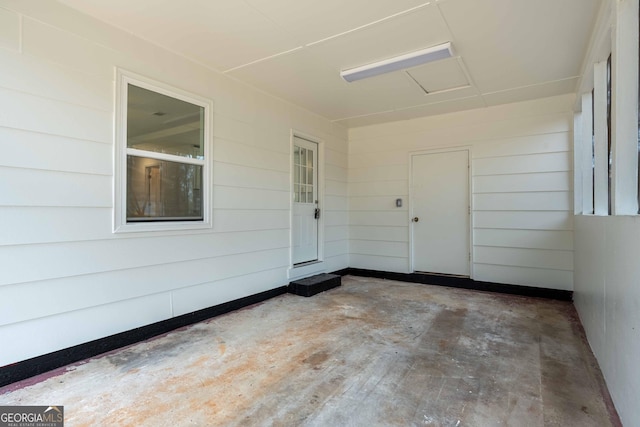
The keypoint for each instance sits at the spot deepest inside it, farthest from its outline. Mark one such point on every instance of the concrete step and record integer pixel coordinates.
(310, 286)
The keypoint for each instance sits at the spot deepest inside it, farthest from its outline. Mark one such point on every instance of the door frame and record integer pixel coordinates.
(468, 149)
(308, 269)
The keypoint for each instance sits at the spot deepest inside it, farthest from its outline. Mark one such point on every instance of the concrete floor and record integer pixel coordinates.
(370, 353)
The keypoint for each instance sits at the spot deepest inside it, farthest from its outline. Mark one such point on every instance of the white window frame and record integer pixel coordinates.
(120, 224)
(587, 153)
(601, 146)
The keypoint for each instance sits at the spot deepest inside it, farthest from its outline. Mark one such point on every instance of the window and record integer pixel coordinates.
(303, 177)
(162, 157)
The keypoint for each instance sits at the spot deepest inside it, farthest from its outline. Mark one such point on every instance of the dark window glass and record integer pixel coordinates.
(162, 124)
(165, 153)
(159, 190)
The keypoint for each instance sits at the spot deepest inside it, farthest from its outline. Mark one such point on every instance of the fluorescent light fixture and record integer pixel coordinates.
(400, 62)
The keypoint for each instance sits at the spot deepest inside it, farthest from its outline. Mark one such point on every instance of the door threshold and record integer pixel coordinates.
(303, 264)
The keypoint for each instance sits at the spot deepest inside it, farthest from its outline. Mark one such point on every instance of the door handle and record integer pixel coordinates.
(316, 214)
(415, 219)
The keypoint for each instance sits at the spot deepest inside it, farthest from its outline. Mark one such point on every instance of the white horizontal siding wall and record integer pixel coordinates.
(607, 297)
(66, 278)
(335, 208)
(522, 197)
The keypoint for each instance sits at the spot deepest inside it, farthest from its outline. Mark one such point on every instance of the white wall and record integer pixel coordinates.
(607, 297)
(522, 204)
(65, 277)
(607, 249)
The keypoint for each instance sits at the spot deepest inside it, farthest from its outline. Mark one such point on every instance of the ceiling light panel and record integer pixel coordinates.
(289, 77)
(400, 62)
(406, 33)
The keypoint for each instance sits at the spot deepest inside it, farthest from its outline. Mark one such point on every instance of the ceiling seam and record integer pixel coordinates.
(532, 85)
(460, 61)
(314, 43)
(405, 108)
(257, 61)
(265, 16)
(370, 24)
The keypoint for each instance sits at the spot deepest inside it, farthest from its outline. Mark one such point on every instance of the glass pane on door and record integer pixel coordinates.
(303, 175)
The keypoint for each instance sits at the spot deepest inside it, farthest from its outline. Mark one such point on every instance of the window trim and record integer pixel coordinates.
(587, 153)
(120, 224)
(600, 138)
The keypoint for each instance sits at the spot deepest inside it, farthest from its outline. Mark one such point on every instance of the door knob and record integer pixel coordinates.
(415, 219)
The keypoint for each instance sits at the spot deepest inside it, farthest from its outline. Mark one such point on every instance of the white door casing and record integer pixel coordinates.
(305, 201)
(440, 212)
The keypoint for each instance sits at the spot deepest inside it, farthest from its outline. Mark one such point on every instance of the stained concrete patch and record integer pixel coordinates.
(370, 353)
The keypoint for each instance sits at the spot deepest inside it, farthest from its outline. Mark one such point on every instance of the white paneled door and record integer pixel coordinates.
(440, 218)
(306, 208)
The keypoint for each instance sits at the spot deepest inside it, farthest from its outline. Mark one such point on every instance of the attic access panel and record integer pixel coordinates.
(439, 76)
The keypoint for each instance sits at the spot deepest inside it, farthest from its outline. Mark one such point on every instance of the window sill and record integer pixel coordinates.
(161, 226)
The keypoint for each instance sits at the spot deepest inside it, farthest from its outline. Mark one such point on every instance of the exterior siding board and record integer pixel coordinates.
(521, 175)
(66, 276)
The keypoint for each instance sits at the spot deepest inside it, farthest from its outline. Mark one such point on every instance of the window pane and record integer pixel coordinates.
(309, 175)
(303, 175)
(310, 194)
(303, 194)
(296, 174)
(163, 124)
(162, 191)
(310, 159)
(296, 193)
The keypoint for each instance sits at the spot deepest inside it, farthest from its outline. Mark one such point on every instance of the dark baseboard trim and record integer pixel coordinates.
(462, 282)
(31, 367)
(342, 272)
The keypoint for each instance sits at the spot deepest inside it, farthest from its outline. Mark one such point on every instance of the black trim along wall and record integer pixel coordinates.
(31, 367)
(48, 362)
(462, 282)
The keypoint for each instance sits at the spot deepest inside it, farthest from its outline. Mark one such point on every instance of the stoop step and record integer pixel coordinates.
(310, 286)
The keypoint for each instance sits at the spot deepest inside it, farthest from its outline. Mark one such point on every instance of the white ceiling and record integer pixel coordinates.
(506, 50)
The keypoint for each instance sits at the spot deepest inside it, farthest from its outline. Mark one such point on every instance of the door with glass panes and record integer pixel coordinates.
(306, 209)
